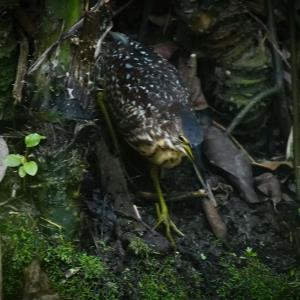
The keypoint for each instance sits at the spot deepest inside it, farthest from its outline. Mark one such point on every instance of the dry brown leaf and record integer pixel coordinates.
(214, 219)
(269, 185)
(234, 164)
(36, 283)
(273, 165)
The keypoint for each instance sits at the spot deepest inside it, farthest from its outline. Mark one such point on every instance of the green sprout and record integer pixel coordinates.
(26, 166)
(249, 252)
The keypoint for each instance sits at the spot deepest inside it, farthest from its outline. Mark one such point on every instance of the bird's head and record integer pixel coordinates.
(192, 132)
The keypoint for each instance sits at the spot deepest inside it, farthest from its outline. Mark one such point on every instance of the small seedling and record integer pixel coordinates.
(26, 166)
(249, 252)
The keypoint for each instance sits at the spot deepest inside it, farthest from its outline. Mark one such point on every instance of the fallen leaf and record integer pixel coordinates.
(214, 219)
(36, 283)
(269, 185)
(222, 153)
(273, 165)
(3, 153)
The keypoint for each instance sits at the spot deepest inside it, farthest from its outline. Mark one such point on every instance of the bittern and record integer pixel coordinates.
(151, 110)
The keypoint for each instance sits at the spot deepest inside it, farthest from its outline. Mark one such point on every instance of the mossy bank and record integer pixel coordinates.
(146, 274)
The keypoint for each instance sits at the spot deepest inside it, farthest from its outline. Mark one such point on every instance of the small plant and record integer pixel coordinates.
(26, 166)
(249, 252)
(254, 280)
(140, 248)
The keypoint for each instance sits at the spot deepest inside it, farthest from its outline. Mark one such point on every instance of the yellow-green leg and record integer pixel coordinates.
(162, 208)
(108, 121)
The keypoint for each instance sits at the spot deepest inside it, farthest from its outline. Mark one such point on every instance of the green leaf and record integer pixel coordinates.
(33, 139)
(13, 160)
(30, 168)
(21, 172)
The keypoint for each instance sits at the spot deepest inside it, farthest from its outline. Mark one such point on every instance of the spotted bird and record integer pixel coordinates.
(151, 110)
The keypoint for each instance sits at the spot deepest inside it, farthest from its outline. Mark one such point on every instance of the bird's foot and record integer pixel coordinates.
(164, 218)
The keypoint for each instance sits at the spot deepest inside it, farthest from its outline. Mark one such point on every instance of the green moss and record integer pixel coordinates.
(20, 245)
(56, 190)
(161, 281)
(77, 275)
(73, 274)
(257, 281)
(140, 248)
(155, 277)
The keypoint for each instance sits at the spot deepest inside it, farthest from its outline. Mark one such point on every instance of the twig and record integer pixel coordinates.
(47, 52)
(138, 215)
(100, 41)
(122, 213)
(167, 22)
(52, 223)
(219, 228)
(278, 87)
(177, 197)
(123, 7)
(21, 69)
(205, 184)
(192, 70)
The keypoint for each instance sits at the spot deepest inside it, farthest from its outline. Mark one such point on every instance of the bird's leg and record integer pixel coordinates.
(108, 121)
(162, 208)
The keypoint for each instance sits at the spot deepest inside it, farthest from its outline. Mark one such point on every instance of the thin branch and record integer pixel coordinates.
(100, 41)
(21, 69)
(148, 227)
(123, 7)
(51, 48)
(178, 197)
(193, 68)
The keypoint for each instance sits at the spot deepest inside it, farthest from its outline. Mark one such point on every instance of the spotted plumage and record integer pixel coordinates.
(148, 102)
